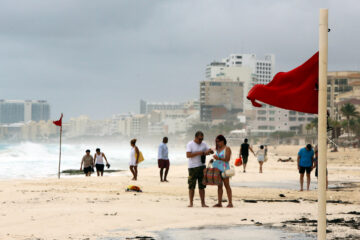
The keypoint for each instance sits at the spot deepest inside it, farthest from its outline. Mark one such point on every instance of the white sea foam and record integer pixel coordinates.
(34, 160)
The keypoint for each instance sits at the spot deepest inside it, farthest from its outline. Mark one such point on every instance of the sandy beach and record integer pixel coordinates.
(99, 208)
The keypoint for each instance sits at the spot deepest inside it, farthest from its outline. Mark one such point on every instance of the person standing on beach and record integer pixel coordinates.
(222, 157)
(261, 157)
(316, 166)
(99, 162)
(88, 162)
(305, 161)
(163, 160)
(196, 150)
(134, 159)
(244, 152)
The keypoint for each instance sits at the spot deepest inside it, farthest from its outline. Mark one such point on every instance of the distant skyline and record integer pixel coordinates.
(100, 58)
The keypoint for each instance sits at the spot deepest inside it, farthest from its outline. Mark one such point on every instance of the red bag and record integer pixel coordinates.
(212, 176)
(238, 162)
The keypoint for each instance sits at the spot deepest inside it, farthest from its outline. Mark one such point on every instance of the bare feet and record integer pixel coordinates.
(204, 205)
(230, 205)
(133, 179)
(161, 180)
(218, 205)
(190, 205)
(166, 180)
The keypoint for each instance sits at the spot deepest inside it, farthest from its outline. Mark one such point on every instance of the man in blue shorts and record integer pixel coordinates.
(305, 162)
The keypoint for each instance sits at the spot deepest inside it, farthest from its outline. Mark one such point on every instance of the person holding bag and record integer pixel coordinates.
(222, 159)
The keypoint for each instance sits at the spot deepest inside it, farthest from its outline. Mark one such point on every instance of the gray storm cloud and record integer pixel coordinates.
(102, 57)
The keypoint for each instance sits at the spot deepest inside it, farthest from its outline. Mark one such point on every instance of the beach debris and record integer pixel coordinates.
(351, 222)
(285, 160)
(250, 201)
(258, 224)
(133, 188)
(140, 238)
(281, 195)
(354, 213)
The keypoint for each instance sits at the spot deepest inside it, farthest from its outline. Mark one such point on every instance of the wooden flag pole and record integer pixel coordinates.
(322, 124)
(60, 153)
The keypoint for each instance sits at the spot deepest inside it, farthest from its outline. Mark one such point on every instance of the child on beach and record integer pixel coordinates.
(260, 157)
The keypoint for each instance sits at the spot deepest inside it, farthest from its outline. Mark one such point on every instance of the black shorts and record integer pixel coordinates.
(196, 174)
(303, 169)
(163, 163)
(87, 169)
(245, 158)
(99, 167)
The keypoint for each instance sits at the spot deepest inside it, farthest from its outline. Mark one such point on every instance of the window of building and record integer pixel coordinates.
(301, 119)
(272, 112)
(261, 118)
(310, 119)
(292, 112)
(292, 119)
(271, 119)
(262, 127)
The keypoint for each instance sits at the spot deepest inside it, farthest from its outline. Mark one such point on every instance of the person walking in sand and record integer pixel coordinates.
(163, 159)
(305, 161)
(88, 163)
(196, 150)
(222, 157)
(134, 159)
(99, 162)
(316, 166)
(244, 153)
(260, 154)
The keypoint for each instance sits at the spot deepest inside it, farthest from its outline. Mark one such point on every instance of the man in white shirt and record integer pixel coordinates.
(196, 151)
(163, 159)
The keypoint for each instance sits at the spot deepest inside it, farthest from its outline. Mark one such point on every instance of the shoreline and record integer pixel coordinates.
(43, 208)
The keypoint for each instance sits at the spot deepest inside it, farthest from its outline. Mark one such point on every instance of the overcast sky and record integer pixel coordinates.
(101, 57)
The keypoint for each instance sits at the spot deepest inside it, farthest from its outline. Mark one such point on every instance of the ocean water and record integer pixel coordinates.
(36, 160)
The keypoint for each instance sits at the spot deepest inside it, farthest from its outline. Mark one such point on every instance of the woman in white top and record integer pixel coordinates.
(261, 157)
(99, 162)
(134, 159)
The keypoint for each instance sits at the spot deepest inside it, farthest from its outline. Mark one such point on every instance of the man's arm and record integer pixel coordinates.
(314, 163)
(137, 154)
(298, 162)
(105, 158)
(194, 154)
(82, 160)
(251, 150)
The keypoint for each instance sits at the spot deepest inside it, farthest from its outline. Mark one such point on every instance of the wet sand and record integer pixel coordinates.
(99, 208)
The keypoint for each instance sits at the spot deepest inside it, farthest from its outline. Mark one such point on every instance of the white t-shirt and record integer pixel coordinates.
(194, 147)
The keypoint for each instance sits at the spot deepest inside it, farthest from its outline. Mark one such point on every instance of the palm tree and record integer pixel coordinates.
(349, 111)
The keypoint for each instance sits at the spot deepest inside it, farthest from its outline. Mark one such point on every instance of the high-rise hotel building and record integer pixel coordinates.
(14, 111)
